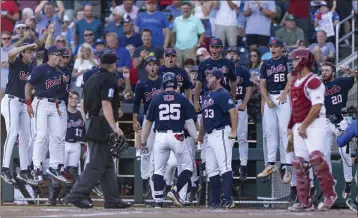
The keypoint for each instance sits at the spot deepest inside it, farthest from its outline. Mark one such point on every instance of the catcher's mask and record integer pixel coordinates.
(305, 58)
(118, 143)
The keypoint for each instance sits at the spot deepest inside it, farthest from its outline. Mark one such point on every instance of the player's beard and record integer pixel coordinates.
(327, 78)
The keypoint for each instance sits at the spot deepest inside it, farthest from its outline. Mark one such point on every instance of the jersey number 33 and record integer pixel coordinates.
(169, 112)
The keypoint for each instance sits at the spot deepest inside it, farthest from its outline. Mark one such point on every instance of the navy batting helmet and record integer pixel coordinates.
(169, 80)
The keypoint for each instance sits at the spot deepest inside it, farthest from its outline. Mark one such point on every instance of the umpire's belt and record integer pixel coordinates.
(219, 128)
(169, 131)
(51, 100)
(275, 92)
(16, 98)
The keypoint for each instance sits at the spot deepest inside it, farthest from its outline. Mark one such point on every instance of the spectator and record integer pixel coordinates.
(147, 49)
(202, 54)
(45, 14)
(290, 33)
(31, 23)
(300, 10)
(67, 32)
(9, 15)
(122, 53)
(326, 20)
(175, 8)
(156, 22)
(186, 29)
(99, 45)
(69, 9)
(84, 61)
(88, 22)
(322, 50)
(345, 10)
(130, 37)
(24, 35)
(133, 71)
(258, 21)
(202, 11)
(4, 64)
(189, 64)
(254, 65)
(61, 41)
(26, 14)
(115, 26)
(128, 8)
(27, 4)
(226, 21)
(89, 39)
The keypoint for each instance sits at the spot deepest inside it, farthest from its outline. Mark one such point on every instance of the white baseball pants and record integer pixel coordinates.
(242, 129)
(72, 154)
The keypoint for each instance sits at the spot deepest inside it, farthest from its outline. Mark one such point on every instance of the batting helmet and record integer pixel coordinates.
(169, 80)
(307, 59)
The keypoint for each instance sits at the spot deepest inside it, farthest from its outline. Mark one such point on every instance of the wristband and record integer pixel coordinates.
(28, 102)
(57, 104)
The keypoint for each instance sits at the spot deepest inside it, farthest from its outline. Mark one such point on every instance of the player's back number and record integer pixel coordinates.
(169, 111)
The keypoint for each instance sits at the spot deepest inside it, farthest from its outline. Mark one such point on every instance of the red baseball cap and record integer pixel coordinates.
(151, 1)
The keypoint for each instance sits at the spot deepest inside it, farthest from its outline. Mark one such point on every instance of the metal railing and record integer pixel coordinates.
(353, 56)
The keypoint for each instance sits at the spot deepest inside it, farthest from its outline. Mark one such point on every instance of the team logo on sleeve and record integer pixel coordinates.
(230, 101)
(239, 80)
(110, 93)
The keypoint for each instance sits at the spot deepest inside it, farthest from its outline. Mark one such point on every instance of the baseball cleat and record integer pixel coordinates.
(288, 175)
(6, 176)
(25, 175)
(297, 207)
(327, 203)
(293, 195)
(265, 179)
(98, 190)
(353, 205)
(347, 190)
(37, 176)
(56, 174)
(313, 193)
(214, 206)
(268, 171)
(243, 173)
(227, 204)
(146, 188)
(173, 195)
(282, 170)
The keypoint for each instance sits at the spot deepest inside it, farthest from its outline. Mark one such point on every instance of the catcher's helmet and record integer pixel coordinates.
(169, 80)
(307, 59)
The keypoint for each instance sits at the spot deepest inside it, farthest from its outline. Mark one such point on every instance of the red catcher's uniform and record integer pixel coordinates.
(306, 92)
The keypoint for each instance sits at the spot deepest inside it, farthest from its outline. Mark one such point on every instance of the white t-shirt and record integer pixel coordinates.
(225, 15)
(82, 65)
(326, 24)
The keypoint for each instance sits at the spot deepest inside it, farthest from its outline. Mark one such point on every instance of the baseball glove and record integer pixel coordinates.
(119, 144)
(290, 147)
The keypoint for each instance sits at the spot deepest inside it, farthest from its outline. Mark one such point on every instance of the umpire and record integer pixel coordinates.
(101, 108)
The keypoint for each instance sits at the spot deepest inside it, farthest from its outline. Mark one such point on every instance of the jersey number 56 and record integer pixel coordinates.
(169, 112)
(279, 78)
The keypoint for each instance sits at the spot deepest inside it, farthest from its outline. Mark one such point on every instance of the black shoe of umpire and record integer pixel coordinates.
(120, 204)
(6, 176)
(79, 202)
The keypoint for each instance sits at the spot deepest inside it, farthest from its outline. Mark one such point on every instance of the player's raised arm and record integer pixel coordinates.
(189, 121)
(12, 54)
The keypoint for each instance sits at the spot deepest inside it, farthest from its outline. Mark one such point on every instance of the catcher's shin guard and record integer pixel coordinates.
(325, 178)
(302, 179)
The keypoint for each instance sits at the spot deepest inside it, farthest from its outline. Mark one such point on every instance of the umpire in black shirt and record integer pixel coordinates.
(101, 108)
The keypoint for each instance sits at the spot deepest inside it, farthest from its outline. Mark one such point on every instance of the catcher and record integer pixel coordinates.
(101, 102)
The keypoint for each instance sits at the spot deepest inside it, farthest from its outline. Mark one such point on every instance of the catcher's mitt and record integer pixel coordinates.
(119, 144)
(290, 147)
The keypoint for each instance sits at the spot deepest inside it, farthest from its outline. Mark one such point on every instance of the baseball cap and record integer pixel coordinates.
(290, 17)
(216, 42)
(277, 42)
(65, 52)
(233, 49)
(170, 51)
(218, 74)
(127, 19)
(53, 50)
(189, 61)
(19, 24)
(99, 41)
(194, 69)
(149, 59)
(108, 56)
(28, 49)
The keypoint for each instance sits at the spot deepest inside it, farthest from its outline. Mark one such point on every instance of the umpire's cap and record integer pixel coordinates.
(108, 56)
(149, 59)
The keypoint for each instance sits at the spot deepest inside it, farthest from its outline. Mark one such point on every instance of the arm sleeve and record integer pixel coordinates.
(247, 78)
(151, 111)
(263, 74)
(108, 91)
(231, 72)
(189, 110)
(225, 102)
(351, 131)
(201, 76)
(165, 21)
(315, 94)
(186, 83)
(35, 75)
(137, 98)
(200, 27)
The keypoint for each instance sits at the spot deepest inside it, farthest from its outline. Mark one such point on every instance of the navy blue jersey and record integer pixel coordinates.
(169, 110)
(65, 86)
(243, 80)
(193, 94)
(75, 127)
(223, 64)
(336, 94)
(88, 74)
(215, 109)
(145, 91)
(46, 81)
(182, 76)
(275, 72)
(18, 74)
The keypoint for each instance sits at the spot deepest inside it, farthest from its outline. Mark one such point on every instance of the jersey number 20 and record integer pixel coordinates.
(169, 112)
(336, 99)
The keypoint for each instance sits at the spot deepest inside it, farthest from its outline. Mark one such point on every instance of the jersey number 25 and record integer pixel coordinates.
(169, 112)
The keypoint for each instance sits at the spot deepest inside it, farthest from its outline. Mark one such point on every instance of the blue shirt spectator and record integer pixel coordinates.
(45, 15)
(122, 53)
(175, 8)
(115, 25)
(88, 22)
(130, 37)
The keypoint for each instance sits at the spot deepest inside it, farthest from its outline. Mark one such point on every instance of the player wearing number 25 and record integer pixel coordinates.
(220, 124)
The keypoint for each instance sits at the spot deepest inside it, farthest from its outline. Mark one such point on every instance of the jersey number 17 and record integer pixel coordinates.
(169, 111)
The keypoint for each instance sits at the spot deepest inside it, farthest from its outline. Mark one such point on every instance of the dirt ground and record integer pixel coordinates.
(138, 212)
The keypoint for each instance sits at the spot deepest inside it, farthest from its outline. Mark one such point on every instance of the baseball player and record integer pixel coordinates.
(243, 95)
(336, 96)
(145, 91)
(46, 80)
(14, 111)
(308, 127)
(343, 140)
(184, 83)
(219, 122)
(216, 62)
(170, 111)
(274, 86)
